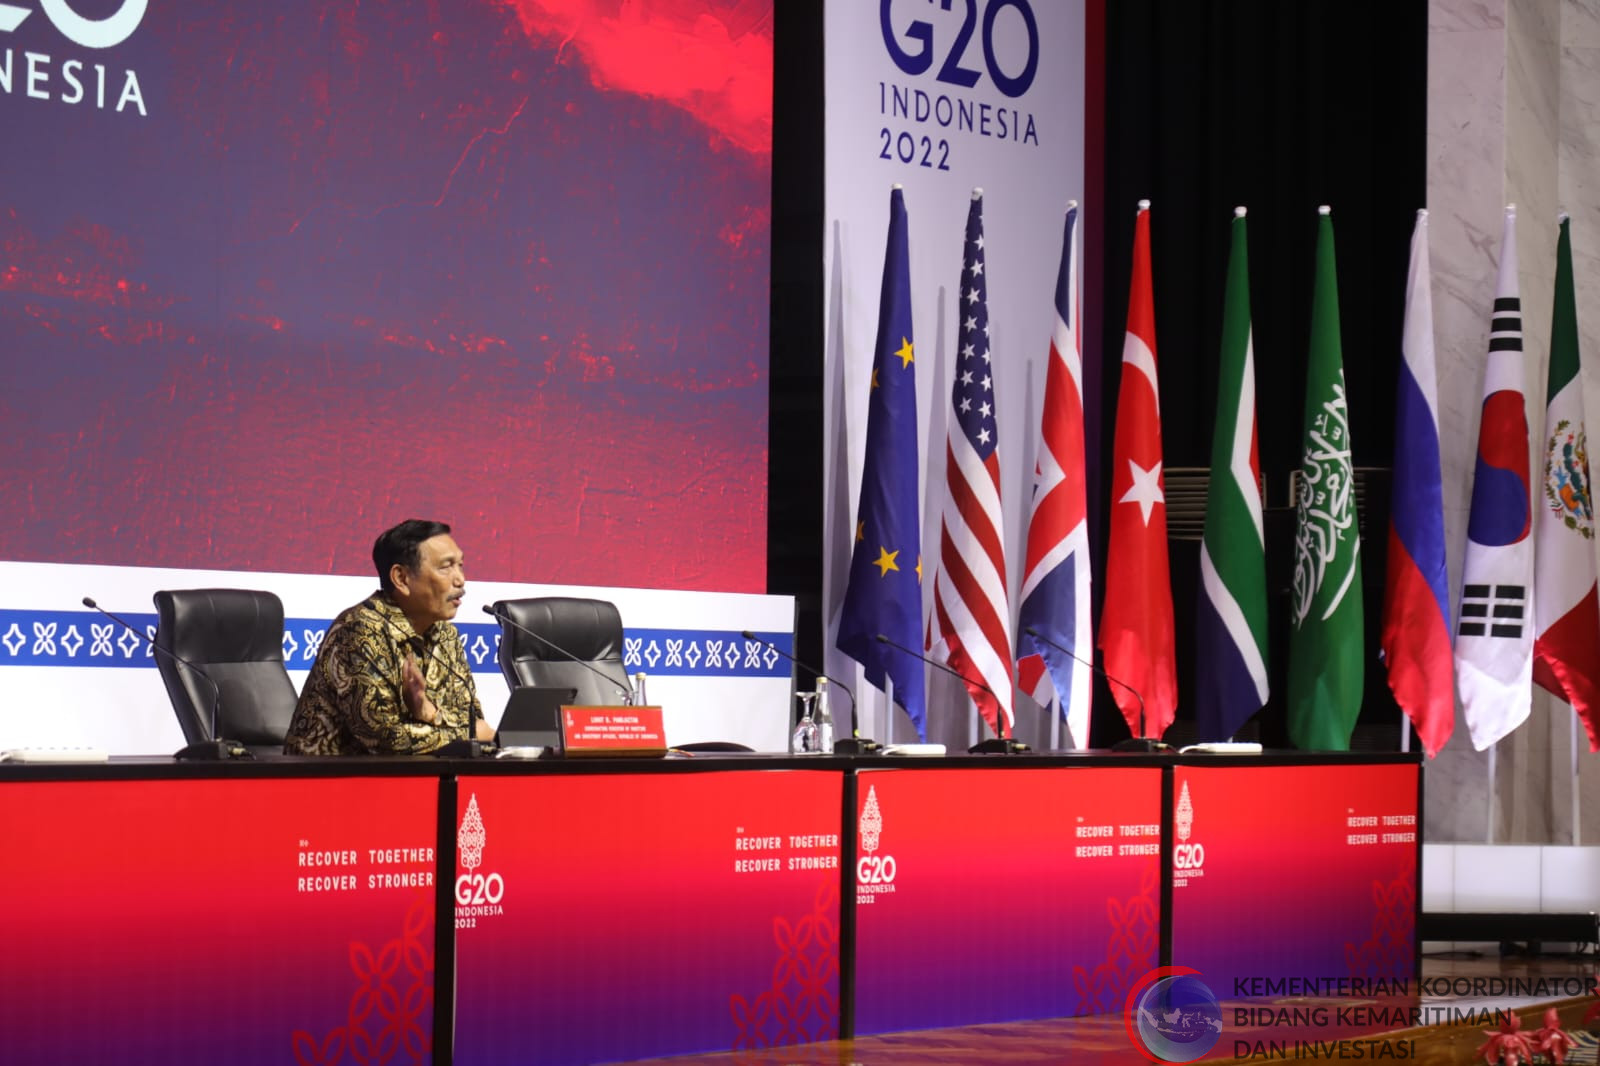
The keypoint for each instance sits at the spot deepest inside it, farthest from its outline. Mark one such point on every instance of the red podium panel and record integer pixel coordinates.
(238, 921)
(1304, 872)
(607, 917)
(1000, 894)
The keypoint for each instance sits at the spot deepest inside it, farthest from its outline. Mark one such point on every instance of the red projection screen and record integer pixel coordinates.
(276, 275)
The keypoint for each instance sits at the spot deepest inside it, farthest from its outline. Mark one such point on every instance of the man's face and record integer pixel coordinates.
(431, 593)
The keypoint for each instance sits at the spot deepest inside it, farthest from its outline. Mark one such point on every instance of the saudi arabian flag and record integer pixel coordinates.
(1566, 646)
(1325, 662)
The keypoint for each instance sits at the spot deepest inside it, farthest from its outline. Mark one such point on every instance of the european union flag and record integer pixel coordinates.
(885, 590)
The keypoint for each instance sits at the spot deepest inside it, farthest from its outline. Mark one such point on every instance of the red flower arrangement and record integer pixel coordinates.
(1552, 1041)
(1508, 1047)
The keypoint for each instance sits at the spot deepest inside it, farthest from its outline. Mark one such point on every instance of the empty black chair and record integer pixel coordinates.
(588, 631)
(236, 637)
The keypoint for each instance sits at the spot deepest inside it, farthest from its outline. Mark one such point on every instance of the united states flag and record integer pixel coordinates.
(1055, 576)
(971, 625)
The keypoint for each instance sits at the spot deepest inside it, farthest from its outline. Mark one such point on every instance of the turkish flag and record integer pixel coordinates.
(1136, 634)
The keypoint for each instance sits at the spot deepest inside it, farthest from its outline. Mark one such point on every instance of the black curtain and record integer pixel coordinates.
(795, 386)
(1279, 107)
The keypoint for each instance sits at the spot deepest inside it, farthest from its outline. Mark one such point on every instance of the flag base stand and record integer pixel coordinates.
(1141, 745)
(998, 746)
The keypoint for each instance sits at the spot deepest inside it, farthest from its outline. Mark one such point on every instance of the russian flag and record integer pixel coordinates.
(1416, 615)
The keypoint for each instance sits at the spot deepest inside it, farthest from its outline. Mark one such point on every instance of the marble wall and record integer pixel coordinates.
(1513, 117)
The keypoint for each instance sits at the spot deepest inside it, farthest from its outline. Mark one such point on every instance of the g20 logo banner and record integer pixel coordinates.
(968, 46)
(478, 894)
(38, 76)
(952, 70)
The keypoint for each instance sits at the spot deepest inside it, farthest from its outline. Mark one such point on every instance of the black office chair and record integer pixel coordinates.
(588, 631)
(728, 747)
(236, 637)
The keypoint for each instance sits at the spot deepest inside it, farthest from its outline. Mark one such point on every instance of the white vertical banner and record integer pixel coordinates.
(943, 97)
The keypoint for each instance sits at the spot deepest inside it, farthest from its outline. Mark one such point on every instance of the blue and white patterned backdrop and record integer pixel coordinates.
(73, 677)
(87, 638)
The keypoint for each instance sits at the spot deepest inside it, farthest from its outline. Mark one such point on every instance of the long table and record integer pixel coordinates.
(613, 910)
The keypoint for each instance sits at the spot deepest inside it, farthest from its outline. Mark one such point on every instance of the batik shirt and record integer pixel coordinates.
(353, 703)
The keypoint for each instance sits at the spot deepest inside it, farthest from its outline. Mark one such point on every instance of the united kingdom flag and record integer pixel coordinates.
(1056, 579)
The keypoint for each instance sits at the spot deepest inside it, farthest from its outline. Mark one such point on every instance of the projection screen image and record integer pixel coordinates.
(274, 276)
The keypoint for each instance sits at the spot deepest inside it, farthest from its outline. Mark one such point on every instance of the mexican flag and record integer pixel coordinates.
(1566, 647)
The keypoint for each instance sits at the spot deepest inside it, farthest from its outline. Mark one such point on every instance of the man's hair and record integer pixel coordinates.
(402, 544)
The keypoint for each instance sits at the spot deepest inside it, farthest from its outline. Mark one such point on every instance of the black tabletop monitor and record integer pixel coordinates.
(532, 718)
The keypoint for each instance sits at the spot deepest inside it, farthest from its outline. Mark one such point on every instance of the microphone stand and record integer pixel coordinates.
(855, 743)
(629, 698)
(468, 747)
(214, 750)
(1003, 744)
(1132, 744)
(471, 747)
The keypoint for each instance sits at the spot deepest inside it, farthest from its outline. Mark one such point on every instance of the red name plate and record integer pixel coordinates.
(613, 731)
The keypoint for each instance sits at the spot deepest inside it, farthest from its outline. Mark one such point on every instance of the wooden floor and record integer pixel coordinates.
(1103, 1040)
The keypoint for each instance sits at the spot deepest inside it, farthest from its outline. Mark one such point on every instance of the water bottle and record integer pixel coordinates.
(639, 699)
(824, 718)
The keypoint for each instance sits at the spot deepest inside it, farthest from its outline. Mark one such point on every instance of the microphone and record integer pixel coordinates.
(214, 749)
(1140, 743)
(627, 693)
(855, 743)
(1001, 745)
(469, 747)
(414, 643)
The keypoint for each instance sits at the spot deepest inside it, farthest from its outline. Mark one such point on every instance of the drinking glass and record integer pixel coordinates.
(807, 735)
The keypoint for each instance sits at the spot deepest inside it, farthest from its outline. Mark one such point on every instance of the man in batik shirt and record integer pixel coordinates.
(391, 677)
